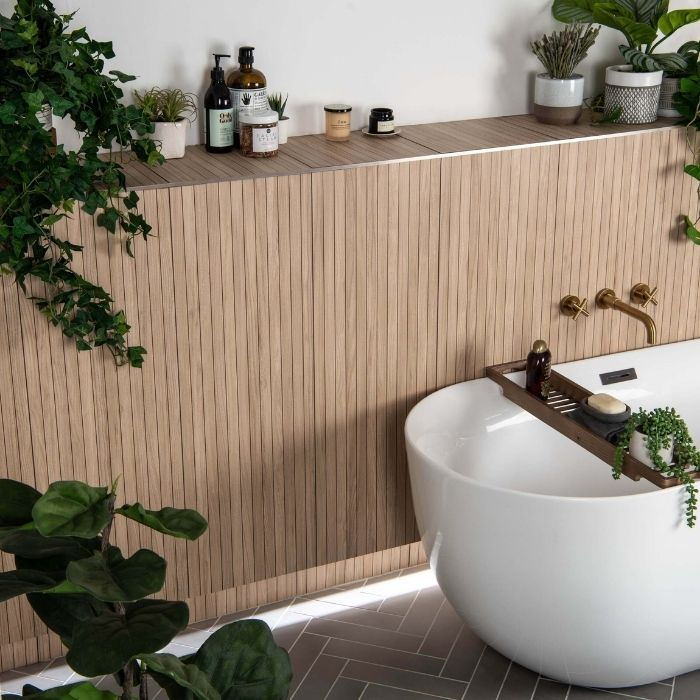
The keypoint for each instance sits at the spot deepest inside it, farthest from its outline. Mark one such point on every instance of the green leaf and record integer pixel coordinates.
(693, 171)
(243, 662)
(122, 77)
(104, 644)
(14, 583)
(61, 613)
(177, 522)
(72, 509)
(611, 15)
(16, 502)
(692, 231)
(674, 20)
(570, 11)
(185, 675)
(111, 578)
(74, 691)
(645, 62)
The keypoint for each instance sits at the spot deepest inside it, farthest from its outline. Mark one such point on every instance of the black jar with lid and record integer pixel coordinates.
(381, 121)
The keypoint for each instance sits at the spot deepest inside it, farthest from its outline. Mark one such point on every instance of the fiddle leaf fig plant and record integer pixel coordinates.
(49, 67)
(645, 25)
(86, 591)
(664, 429)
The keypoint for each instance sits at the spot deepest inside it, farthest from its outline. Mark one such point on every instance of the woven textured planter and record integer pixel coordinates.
(669, 87)
(636, 94)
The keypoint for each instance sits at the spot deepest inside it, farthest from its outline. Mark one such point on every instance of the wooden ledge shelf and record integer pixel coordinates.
(307, 154)
(564, 397)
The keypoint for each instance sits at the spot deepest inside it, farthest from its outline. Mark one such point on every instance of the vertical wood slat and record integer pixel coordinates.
(291, 324)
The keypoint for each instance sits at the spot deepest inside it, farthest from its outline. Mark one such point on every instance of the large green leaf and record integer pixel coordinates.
(645, 11)
(177, 522)
(184, 675)
(692, 231)
(570, 11)
(611, 15)
(29, 544)
(644, 62)
(110, 577)
(72, 509)
(103, 644)
(674, 20)
(74, 691)
(243, 662)
(61, 613)
(16, 502)
(14, 583)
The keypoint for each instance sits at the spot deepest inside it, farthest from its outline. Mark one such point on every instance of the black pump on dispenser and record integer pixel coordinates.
(219, 109)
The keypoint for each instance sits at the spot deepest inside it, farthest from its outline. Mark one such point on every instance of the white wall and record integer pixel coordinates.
(430, 60)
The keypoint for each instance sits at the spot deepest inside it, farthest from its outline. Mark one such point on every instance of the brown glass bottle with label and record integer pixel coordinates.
(538, 370)
(248, 88)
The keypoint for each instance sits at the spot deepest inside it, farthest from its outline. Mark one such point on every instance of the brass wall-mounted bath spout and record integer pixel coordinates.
(607, 299)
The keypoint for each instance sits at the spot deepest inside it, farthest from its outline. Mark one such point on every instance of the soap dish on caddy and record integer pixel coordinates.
(605, 417)
(366, 132)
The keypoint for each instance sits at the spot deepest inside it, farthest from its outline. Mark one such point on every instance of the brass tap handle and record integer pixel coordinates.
(574, 307)
(642, 294)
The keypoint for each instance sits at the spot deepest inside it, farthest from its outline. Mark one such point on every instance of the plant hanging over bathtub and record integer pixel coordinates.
(47, 66)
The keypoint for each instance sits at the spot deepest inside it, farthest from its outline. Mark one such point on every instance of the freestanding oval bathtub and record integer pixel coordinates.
(550, 561)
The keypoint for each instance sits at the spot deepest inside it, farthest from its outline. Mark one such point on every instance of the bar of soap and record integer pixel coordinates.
(604, 403)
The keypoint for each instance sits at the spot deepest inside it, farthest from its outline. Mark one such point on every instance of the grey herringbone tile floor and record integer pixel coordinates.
(386, 638)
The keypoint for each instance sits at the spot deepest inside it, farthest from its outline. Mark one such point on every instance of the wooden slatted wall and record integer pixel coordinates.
(293, 321)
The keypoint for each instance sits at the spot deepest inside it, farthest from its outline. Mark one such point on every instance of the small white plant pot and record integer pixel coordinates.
(638, 450)
(635, 94)
(669, 87)
(558, 101)
(283, 129)
(171, 138)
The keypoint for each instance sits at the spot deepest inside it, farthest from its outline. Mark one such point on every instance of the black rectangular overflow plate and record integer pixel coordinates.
(621, 375)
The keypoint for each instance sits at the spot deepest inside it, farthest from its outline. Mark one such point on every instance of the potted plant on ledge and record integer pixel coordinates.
(279, 104)
(559, 91)
(661, 440)
(633, 88)
(171, 110)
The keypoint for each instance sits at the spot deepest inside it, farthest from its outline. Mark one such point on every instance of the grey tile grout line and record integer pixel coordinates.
(301, 682)
(449, 653)
(397, 668)
(338, 677)
(379, 646)
(500, 690)
(617, 691)
(364, 690)
(417, 692)
(358, 624)
(537, 683)
(410, 607)
(299, 635)
(568, 691)
(427, 632)
(471, 678)
(673, 688)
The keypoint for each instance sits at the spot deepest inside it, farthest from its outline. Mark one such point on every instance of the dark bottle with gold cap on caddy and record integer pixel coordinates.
(538, 370)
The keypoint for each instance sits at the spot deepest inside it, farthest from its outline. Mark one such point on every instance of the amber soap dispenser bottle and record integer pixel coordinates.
(217, 103)
(248, 88)
(538, 370)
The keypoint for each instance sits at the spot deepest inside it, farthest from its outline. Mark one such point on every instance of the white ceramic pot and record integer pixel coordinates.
(283, 129)
(669, 87)
(172, 137)
(636, 94)
(638, 449)
(558, 101)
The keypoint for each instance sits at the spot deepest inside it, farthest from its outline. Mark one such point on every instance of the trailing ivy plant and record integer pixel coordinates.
(44, 62)
(84, 589)
(664, 429)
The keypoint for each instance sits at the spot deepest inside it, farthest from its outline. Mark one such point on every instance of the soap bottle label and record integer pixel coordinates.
(247, 101)
(220, 127)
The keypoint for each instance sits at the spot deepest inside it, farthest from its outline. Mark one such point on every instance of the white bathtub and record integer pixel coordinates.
(557, 566)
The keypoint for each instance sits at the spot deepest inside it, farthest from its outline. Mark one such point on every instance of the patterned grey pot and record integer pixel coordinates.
(669, 87)
(636, 94)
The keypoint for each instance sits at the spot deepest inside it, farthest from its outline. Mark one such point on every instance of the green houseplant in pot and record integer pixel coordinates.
(672, 79)
(279, 104)
(49, 68)
(171, 110)
(634, 87)
(559, 90)
(100, 602)
(660, 439)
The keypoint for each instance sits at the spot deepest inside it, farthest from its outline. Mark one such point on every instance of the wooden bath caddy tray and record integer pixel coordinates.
(564, 397)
